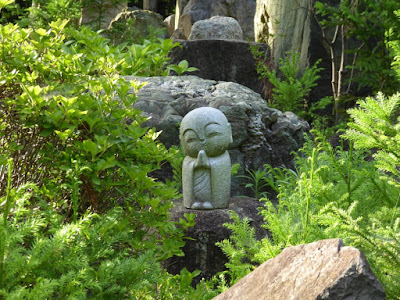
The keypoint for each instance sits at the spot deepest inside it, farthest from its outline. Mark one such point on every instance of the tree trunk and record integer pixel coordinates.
(178, 13)
(285, 26)
(150, 5)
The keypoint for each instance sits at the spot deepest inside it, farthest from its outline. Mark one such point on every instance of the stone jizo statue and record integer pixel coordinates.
(206, 173)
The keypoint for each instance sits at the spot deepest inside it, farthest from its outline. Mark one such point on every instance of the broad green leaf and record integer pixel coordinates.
(90, 146)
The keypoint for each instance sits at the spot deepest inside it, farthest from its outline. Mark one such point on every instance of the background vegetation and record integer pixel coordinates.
(80, 215)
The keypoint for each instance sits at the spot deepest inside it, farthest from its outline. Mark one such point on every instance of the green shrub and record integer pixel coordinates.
(359, 47)
(290, 87)
(97, 256)
(81, 215)
(333, 194)
(43, 12)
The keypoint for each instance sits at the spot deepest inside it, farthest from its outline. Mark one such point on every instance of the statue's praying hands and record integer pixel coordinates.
(205, 135)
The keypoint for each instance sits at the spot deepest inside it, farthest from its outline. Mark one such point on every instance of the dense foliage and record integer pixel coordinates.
(333, 193)
(350, 191)
(81, 216)
(359, 33)
(289, 86)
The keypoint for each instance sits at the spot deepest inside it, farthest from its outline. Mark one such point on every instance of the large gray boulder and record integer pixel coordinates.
(261, 135)
(222, 28)
(136, 24)
(241, 10)
(170, 23)
(321, 270)
(99, 16)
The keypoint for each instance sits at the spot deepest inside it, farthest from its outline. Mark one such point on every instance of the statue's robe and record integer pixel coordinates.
(207, 183)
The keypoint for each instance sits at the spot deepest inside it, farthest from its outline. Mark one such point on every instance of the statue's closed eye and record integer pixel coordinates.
(212, 134)
(190, 136)
(191, 140)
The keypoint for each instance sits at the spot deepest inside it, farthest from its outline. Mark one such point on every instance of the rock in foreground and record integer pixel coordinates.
(321, 270)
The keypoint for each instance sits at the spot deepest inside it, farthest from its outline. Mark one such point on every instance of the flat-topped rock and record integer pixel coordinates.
(201, 253)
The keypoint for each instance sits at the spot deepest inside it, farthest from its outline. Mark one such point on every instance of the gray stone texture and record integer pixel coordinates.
(91, 15)
(261, 134)
(321, 270)
(222, 60)
(194, 11)
(143, 21)
(216, 28)
(170, 23)
(241, 10)
(200, 250)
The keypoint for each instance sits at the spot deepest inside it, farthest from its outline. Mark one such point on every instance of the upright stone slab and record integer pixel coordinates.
(206, 172)
(223, 60)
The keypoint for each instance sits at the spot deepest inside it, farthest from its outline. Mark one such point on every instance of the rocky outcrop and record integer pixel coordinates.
(321, 270)
(194, 11)
(170, 22)
(241, 10)
(223, 28)
(222, 60)
(143, 22)
(99, 16)
(261, 134)
(200, 250)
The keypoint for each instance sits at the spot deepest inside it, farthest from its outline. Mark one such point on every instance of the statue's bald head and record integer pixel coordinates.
(205, 128)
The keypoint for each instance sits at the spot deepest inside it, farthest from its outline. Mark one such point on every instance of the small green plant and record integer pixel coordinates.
(290, 88)
(240, 249)
(257, 181)
(181, 68)
(176, 164)
(235, 169)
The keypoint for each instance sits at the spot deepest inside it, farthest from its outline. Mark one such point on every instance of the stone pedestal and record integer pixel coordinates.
(201, 253)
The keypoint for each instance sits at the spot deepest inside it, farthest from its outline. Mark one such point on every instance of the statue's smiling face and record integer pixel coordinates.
(206, 130)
